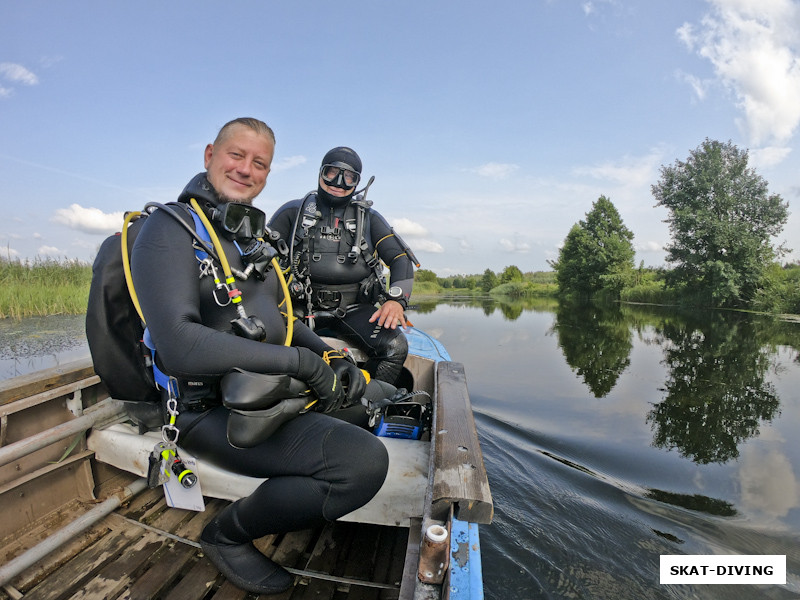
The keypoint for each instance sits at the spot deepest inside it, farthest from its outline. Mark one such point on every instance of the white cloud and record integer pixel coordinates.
(287, 163)
(753, 48)
(408, 228)
(627, 171)
(416, 235)
(427, 246)
(89, 220)
(495, 170)
(649, 247)
(699, 86)
(514, 246)
(48, 251)
(17, 74)
(769, 156)
(685, 34)
(768, 482)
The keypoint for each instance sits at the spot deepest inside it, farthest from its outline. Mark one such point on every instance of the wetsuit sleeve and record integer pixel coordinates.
(392, 252)
(284, 218)
(165, 274)
(303, 336)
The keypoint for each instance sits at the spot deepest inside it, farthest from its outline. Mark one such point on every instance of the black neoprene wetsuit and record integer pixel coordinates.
(311, 461)
(322, 254)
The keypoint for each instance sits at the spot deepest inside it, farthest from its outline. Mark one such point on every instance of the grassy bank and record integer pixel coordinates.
(43, 287)
(51, 287)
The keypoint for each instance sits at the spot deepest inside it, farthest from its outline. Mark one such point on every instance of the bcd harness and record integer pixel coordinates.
(207, 249)
(356, 257)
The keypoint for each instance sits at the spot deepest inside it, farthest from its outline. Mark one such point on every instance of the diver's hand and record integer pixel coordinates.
(325, 384)
(351, 378)
(389, 315)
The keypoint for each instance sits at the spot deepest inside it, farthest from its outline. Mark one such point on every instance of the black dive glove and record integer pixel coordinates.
(352, 379)
(323, 381)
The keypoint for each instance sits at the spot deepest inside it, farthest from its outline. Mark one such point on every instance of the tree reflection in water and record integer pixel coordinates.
(716, 395)
(596, 342)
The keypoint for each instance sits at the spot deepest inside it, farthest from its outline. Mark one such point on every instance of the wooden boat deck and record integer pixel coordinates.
(143, 549)
(146, 550)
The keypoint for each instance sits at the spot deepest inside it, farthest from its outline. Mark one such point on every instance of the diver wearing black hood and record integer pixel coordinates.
(337, 244)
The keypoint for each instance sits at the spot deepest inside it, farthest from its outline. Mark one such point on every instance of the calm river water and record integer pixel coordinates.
(612, 435)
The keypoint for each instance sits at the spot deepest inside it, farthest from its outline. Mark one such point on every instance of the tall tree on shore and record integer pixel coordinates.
(722, 219)
(597, 254)
(489, 280)
(510, 274)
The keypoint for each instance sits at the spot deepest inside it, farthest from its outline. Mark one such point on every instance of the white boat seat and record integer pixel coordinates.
(401, 497)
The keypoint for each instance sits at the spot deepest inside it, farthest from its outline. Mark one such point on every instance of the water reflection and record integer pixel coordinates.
(589, 494)
(596, 343)
(716, 395)
(511, 308)
(35, 343)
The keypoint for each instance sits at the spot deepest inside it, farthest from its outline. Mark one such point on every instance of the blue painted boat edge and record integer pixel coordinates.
(425, 345)
(466, 571)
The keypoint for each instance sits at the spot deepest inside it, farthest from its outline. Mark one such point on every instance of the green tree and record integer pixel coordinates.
(511, 273)
(597, 253)
(424, 275)
(489, 280)
(721, 217)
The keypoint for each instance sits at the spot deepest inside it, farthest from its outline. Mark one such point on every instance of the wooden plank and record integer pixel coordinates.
(459, 475)
(36, 500)
(193, 527)
(228, 591)
(362, 560)
(168, 565)
(361, 556)
(71, 576)
(76, 388)
(25, 539)
(143, 504)
(28, 385)
(197, 582)
(409, 576)
(396, 557)
(324, 559)
(291, 549)
(116, 576)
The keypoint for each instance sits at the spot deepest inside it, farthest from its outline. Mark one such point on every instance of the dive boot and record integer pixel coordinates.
(241, 562)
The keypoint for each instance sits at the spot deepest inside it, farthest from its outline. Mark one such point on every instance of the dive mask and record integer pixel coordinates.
(242, 220)
(339, 175)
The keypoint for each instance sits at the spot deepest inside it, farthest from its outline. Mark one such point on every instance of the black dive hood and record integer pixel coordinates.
(216, 210)
(345, 157)
(331, 200)
(200, 189)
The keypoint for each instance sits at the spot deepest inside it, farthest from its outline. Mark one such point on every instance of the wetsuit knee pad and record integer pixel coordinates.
(396, 348)
(357, 464)
(393, 351)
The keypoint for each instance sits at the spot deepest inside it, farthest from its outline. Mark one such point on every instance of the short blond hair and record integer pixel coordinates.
(256, 125)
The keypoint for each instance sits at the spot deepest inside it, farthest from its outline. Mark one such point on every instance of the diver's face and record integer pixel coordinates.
(337, 192)
(238, 165)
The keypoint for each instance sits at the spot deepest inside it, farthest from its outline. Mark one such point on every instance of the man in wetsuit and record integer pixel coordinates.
(337, 243)
(309, 461)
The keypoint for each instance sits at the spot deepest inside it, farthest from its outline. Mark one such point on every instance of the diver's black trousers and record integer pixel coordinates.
(319, 468)
(387, 348)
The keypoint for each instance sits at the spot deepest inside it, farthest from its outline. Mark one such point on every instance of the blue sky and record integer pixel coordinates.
(491, 128)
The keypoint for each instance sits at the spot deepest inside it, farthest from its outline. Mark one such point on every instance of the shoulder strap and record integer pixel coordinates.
(203, 233)
(203, 247)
